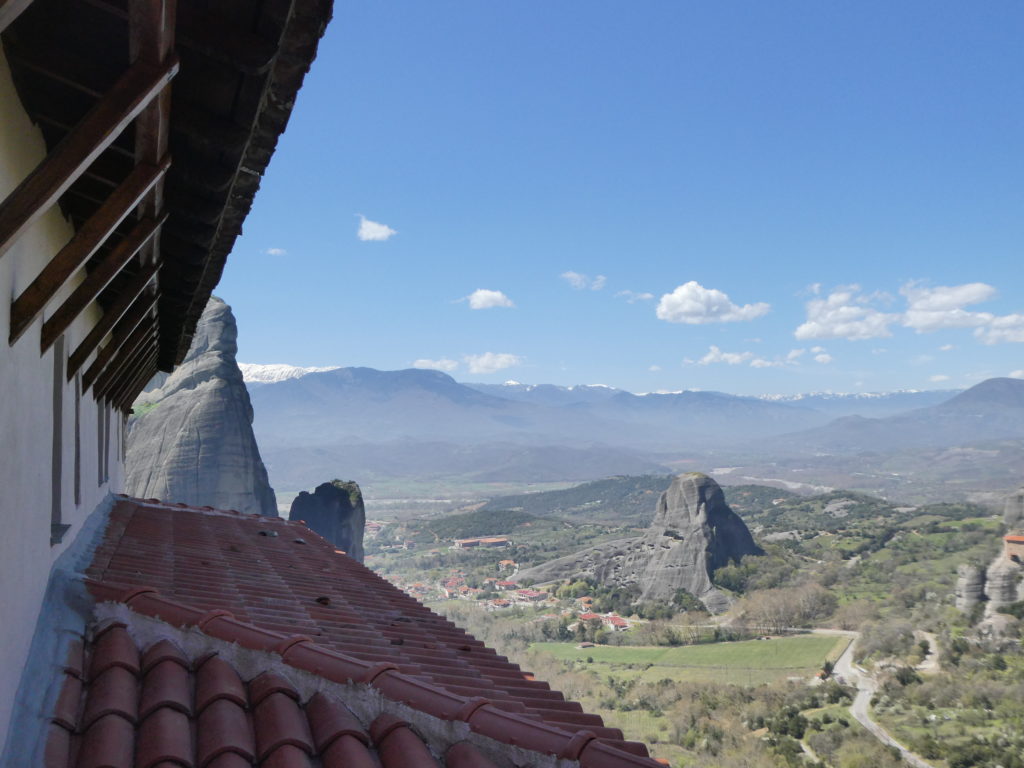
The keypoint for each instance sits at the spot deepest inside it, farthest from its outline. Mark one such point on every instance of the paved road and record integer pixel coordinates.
(866, 687)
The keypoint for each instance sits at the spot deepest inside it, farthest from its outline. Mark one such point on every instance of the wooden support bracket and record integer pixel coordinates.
(136, 88)
(98, 279)
(124, 328)
(146, 326)
(114, 313)
(83, 245)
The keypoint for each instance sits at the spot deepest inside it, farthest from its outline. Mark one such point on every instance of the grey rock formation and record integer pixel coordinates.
(334, 510)
(190, 439)
(1003, 583)
(694, 532)
(970, 587)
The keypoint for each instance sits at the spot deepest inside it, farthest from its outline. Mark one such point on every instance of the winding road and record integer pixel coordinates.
(867, 685)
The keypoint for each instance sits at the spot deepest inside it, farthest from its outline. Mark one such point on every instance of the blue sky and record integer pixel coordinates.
(672, 195)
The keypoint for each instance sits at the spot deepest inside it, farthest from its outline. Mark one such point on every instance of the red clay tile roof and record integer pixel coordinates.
(274, 585)
(1016, 538)
(135, 709)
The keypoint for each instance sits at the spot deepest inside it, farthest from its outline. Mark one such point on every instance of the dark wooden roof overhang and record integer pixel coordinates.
(160, 117)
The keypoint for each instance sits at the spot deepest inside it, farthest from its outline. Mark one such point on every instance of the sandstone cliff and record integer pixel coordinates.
(334, 510)
(693, 533)
(191, 437)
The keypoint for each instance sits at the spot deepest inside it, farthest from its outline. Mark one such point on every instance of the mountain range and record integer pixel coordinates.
(422, 423)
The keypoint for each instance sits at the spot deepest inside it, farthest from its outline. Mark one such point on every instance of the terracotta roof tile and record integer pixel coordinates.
(216, 680)
(166, 685)
(216, 573)
(114, 648)
(108, 743)
(164, 736)
(69, 700)
(114, 692)
(398, 746)
(465, 755)
(329, 719)
(347, 752)
(279, 722)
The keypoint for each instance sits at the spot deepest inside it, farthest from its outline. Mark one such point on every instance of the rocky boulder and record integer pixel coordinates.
(694, 532)
(335, 510)
(970, 587)
(190, 438)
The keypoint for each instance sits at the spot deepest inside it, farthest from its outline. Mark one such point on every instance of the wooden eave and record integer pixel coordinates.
(231, 71)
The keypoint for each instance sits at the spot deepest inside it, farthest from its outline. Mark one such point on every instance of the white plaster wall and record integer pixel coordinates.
(26, 419)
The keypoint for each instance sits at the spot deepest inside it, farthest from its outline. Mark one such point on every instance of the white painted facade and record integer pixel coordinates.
(30, 448)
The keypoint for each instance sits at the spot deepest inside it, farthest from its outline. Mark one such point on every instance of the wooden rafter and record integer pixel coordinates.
(98, 279)
(123, 362)
(146, 331)
(143, 360)
(140, 84)
(138, 314)
(125, 298)
(83, 245)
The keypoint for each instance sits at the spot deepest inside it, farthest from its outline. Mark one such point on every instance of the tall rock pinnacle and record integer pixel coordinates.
(694, 532)
(334, 510)
(191, 438)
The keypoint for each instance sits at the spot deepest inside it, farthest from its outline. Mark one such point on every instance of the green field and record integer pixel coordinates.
(747, 662)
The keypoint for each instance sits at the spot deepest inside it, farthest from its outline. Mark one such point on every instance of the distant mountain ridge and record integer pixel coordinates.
(417, 423)
(990, 410)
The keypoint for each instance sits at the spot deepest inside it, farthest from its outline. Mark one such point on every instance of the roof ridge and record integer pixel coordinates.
(307, 655)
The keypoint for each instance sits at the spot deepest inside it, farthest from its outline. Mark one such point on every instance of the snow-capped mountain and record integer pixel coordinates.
(256, 373)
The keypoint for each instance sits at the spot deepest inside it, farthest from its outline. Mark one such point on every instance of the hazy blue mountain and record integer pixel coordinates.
(868, 404)
(991, 410)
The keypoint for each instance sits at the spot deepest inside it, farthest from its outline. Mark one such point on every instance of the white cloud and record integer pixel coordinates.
(276, 252)
(844, 314)
(932, 309)
(373, 230)
(824, 358)
(1017, 374)
(938, 377)
(444, 364)
(482, 298)
(1007, 328)
(760, 362)
(694, 304)
(794, 354)
(579, 281)
(654, 368)
(633, 296)
(715, 355)
(947, 348)
(489, 362)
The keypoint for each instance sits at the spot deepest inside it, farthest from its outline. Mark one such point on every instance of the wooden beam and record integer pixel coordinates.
(145, 331)
(151, 41)
(139, 85)
(10, 10)
(123, 362)
(124, 328)
(126, 394)
(98, 279)
(216, 36)
(114, 312)
(132, 371)
(83, 245)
